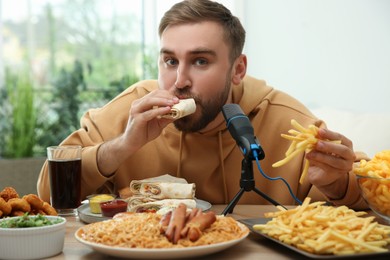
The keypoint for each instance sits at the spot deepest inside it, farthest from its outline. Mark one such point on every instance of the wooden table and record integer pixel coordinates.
(253, 247)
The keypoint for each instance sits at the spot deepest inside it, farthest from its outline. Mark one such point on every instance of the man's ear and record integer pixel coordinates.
(239, 69)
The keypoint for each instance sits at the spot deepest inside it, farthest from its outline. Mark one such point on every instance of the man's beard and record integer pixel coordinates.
(208, 110)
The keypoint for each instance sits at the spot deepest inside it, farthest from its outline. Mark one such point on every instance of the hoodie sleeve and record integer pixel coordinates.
(89, 138)
(353, 197)
(97, 126)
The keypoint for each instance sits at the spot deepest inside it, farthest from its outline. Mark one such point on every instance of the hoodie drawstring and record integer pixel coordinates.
(225, 193)
(178, 172)
(220, 151)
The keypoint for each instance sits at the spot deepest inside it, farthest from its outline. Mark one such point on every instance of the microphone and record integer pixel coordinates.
(242, 131)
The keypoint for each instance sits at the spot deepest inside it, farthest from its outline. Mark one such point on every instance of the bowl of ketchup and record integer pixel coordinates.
(110, 208)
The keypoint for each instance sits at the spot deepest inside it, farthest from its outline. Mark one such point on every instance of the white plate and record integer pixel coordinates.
(160, 253)
(87, 216)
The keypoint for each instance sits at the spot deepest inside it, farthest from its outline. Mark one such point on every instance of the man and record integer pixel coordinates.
(201, 58)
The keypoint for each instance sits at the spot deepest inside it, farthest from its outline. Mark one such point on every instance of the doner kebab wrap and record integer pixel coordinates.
(135, 185)
(162, 205)
(184, 108)
(167, 190)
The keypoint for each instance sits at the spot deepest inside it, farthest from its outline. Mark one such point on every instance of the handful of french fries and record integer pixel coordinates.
(320, 229)
(376, 187)
(302, 140)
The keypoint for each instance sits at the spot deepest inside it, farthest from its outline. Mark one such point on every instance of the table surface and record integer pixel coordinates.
(253, 247)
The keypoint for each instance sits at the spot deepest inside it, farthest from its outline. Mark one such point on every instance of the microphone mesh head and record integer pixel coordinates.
(230, 110)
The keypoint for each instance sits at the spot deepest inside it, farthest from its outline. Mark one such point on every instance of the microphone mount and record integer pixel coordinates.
(242, 131)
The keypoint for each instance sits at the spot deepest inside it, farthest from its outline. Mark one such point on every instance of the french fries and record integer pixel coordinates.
(320, 229)
(376, 188)
(302, 140)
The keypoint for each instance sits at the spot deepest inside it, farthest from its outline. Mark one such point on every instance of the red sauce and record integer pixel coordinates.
(110, 208)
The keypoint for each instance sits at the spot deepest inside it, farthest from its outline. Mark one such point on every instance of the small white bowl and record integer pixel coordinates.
(32, 242)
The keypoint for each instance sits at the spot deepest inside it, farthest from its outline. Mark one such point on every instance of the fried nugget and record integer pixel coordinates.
(17, 213)
(48, 209)
(5, 207)
(19, 204)
(34, 201)
(9, 193)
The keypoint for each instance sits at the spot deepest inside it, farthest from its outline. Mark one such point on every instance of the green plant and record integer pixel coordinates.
(19, 122)
(63, 115)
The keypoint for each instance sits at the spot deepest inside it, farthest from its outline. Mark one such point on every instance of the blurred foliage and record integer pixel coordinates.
(65, 106)
(82, 58)
(18, 122)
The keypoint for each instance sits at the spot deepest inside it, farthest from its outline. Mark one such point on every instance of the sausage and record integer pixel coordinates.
(176, 223)
(164, 222)
(194, 212)
(193, 229)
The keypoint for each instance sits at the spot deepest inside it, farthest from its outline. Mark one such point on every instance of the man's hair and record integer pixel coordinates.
(195, 11)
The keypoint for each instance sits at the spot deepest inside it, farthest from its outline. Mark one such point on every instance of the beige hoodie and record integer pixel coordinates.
(211, 160)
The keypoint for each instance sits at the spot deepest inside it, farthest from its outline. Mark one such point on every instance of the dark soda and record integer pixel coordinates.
(65, 183)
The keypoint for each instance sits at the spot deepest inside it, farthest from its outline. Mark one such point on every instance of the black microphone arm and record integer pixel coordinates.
(241, 130)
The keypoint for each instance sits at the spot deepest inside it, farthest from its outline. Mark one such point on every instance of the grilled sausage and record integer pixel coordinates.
(193, 229)
(176, 223)
(164, 222)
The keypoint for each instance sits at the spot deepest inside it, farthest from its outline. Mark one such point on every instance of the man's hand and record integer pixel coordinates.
(144, 124)
(330, 164)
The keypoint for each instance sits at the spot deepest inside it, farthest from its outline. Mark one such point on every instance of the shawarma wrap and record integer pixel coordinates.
(167, 190)
(159, 205)
(135, 185)
(184, 108)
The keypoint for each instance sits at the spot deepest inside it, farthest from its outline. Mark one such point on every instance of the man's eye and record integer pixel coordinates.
(171, 62)
(201, 62)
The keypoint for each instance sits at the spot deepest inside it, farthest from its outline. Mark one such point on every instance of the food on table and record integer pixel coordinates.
(9, 193)
(160, 194)
(168, 190)
(179, 223)
(96, 199)
(19, 204)
(158, 206)
(184, 108)
(320, 229)
(302, 140)
(27, 221)
(112, 207)
(13, 205)
(135, 185)
(376, 187)
(142, 230)
(378, 166)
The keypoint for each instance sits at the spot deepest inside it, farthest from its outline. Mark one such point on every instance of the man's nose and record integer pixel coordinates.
(182, 78)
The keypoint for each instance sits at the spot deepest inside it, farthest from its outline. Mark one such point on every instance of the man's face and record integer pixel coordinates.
(194, 62)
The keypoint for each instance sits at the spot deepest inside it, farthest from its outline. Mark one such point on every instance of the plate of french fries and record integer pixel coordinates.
(317, 230)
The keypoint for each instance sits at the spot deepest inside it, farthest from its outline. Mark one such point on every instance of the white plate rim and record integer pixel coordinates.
(162, 253)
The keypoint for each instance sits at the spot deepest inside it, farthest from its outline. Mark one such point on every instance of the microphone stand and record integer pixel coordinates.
(247, 183)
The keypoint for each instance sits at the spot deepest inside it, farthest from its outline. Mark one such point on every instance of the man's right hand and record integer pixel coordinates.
(144, 124)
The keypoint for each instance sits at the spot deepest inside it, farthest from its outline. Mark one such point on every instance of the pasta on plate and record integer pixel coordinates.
(142, 230)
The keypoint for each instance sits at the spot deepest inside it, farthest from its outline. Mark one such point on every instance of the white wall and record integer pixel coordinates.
(323, 52)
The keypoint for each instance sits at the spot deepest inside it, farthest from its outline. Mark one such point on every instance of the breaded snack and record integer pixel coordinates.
(8, 193)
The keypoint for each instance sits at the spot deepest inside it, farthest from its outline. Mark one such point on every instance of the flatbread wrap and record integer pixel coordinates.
(138, 200)
(135, 185)
(162, 205)
(184, 108)
(167, 190)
